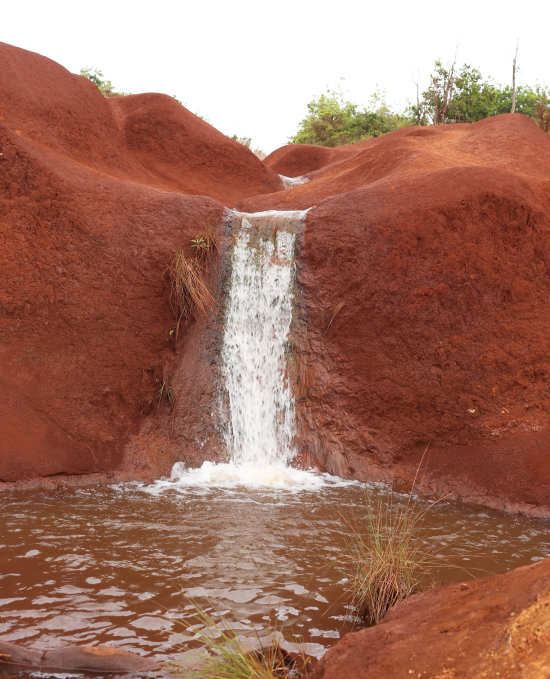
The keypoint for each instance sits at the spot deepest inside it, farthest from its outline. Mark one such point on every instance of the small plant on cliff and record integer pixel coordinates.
(206, 248)
(234, 657)
(386, 558)
(166, 392)
(106, 87)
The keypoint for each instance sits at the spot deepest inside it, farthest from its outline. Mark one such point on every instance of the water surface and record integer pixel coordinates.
(116, 565)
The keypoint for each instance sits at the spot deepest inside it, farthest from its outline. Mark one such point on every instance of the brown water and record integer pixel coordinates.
(114, 565)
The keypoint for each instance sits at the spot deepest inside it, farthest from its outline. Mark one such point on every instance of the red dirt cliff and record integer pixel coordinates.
(436, 242)
(94, 199)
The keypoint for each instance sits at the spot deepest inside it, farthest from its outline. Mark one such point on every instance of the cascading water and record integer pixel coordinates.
(258, 396)
(259, 315)
(292, 182)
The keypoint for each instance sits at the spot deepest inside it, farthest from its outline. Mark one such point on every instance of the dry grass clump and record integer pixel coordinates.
(166, 392)
(189, 293)
(233, 657)
(386, 557)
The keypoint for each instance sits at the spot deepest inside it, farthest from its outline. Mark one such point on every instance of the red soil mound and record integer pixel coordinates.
(496, 627)
(90, 214)
(186, 154)
(296, 160)
(144, 138)
(436, 242)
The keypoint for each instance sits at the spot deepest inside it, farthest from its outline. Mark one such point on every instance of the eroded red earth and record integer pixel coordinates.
(423, 271)
(494, 627)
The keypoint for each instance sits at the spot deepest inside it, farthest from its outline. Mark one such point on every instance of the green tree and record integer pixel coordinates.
(333, 121)
(464, 96)
(473, 97)
(526, 100)
(438, 98)
(106, 87)
(328, 123)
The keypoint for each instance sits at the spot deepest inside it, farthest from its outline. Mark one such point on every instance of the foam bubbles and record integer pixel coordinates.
(231, 475)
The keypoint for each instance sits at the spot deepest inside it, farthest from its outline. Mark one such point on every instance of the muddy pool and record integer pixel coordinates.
(117, 565)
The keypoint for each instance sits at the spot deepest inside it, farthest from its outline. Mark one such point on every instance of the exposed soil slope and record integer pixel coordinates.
(92, 206)
(495, 627)
(144, 138)
(186, 154)
(436, 242)
(510, 142)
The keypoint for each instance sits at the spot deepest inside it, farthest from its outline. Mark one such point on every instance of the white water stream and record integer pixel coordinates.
(292, 182)
(260, 401)
(258, 322)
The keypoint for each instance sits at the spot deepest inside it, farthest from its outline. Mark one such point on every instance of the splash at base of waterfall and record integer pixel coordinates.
(230, 475)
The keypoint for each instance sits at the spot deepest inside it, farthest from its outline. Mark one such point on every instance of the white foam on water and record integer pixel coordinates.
(230, 475)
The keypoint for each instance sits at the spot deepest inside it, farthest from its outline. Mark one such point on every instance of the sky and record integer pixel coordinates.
(251, 67)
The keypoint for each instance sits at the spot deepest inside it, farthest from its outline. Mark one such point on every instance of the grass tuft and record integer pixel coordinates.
(189, 294)
(386, 557)
(166, 391)
(233, 657)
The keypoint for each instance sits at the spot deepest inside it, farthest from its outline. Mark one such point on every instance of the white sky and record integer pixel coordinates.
(251, 67)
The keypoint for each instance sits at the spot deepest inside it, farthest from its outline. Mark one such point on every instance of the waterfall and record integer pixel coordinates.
(258, 321)
(259, 416)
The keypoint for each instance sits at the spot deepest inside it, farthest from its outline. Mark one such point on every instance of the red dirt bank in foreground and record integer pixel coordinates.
(495, 627)
(435, 240)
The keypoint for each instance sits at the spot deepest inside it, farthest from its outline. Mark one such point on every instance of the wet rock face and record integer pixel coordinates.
(92, 658)
(493, 627)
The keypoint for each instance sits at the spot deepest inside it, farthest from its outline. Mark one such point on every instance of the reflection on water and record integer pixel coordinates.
(113, 566)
